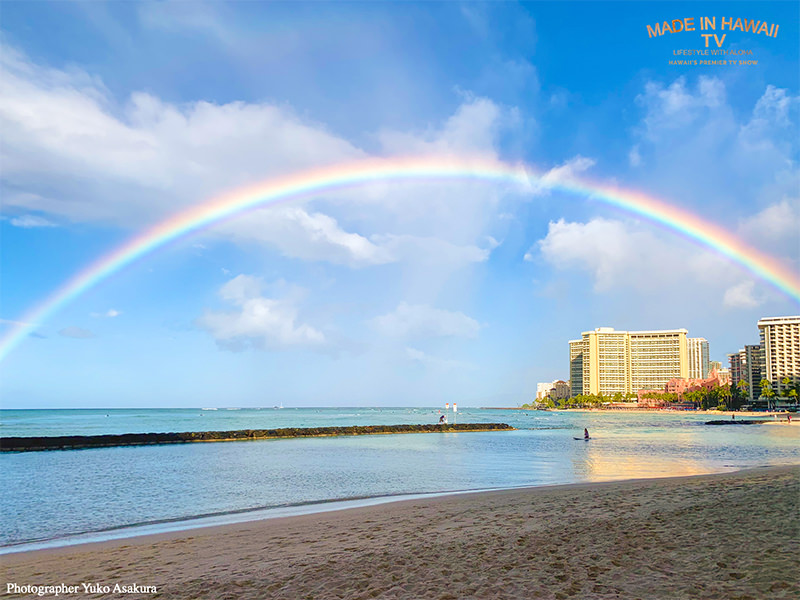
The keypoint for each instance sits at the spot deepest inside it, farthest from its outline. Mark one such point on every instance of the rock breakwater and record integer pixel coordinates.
(72, 442)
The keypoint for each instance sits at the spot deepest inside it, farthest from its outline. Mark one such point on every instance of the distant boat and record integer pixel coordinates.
(278, 407)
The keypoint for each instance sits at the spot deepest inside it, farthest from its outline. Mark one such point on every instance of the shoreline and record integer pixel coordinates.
(178, 526)
(668, 411)
(664, 537)
(186, 525)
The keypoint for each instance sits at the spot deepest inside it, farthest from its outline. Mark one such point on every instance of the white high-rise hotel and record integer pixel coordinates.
(780, 345)
(605, 361)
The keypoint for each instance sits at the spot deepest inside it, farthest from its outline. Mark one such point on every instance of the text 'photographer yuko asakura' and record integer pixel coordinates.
(83, 588)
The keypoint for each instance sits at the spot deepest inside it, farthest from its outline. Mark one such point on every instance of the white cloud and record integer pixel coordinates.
(675, 106)
(634, 158)
(145, 158)
(76, 333)
(473, 129)
(742, 295)
(309, 236)
(774, 107)
(566, 171)
(80, 154)
(610, 251)
(30, 221)
(696, 130)
(619, 257)
(241, 288)
(778, 222)
(748, 161)
(492, 242)
(109, 314)
(421, 321)
(258, 322)
(617, 254)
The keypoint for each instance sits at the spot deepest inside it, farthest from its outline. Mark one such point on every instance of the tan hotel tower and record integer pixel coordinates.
(605, 361)
(780, 351)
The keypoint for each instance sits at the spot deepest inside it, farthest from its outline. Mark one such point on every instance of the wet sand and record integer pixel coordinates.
(729, 536)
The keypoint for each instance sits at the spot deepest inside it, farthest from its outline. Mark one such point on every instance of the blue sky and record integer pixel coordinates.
(117, 115)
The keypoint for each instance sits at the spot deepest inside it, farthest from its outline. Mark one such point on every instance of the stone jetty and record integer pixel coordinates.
(71, 442)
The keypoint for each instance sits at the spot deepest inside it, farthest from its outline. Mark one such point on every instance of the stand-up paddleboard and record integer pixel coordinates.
(582, 438)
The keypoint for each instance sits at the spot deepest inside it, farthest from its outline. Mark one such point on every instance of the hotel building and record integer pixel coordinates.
(560, 390)
(698, 358)
(780, 341)
(747, 365)
(556, 390)
(605, 361)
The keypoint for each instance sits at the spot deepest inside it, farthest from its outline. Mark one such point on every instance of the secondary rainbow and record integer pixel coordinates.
(414, 169)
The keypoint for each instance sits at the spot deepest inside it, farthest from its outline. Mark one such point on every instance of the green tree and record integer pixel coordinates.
(789, 390)
(767, 392)
(694, 397)
(742, 386)
(723, 393)
(792, 395)
(736, 396)
(710, 398)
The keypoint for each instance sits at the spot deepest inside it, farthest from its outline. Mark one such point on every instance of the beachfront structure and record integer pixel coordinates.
(737, 367)
(607, 362)
(780, 341)
(561, 390)
(557, 390)
(754, 357)
(575, 367)
(747, 365)
(724, 375)
(698, 358)
(678, 387)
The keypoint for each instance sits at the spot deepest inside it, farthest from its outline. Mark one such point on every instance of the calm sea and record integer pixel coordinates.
(63, 497)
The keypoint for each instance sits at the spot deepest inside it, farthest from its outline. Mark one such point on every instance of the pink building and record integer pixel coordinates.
(678, 386)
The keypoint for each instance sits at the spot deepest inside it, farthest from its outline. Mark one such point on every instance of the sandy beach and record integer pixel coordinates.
(728, 536)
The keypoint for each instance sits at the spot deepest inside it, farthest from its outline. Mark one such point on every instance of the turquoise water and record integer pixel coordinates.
(62, 494)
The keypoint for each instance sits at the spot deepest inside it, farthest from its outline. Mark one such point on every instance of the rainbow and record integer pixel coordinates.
(414, 169)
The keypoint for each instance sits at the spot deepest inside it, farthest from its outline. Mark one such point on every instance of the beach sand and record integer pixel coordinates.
(730, 536)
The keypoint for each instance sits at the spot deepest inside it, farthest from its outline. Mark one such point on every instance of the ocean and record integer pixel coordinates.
(63, 497)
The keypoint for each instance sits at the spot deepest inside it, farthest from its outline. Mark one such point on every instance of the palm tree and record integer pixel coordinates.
(743, 385)
(791, 390)
(724, 394)
(767, 392)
